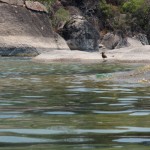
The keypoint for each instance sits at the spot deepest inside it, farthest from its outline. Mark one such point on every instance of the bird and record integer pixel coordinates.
(103, 55)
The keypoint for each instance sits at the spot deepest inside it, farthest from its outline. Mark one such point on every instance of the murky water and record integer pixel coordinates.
(66, 107)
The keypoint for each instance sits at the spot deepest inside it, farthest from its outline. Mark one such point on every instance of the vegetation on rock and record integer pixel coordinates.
(130, 16)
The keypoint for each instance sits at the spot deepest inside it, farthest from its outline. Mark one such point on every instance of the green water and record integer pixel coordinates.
(66, 107)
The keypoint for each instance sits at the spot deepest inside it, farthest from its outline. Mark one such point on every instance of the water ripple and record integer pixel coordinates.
(59, 113)
(113, 112)
(17, 139)
(132, 140)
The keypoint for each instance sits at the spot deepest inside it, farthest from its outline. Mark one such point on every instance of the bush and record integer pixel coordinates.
(140, 10)
(105, 8)
(133, 5)
(60, 17)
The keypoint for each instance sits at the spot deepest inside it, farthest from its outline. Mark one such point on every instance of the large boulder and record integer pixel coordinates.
(80, 34)
(36, 6)
(115, 40)
(74, 11)
(13, 2)
(26, 33)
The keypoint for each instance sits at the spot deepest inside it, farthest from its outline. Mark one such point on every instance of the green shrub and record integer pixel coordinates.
(60, 16)
(105, 8)
(133, 5)
(108, 9)
(140, 10)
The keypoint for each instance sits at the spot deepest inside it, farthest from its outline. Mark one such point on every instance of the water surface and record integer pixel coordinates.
(66, 106)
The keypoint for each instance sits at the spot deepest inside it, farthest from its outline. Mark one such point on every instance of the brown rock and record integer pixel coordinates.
(36, 6)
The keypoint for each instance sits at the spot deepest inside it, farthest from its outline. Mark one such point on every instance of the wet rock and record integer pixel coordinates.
(36, 6)
(80, 34)
(23, 51)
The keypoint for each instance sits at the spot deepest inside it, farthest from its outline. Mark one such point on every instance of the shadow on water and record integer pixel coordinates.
(65, 106)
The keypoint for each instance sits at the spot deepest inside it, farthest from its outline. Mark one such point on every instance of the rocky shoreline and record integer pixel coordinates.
(135, 53)
(26, 30)
(139, 54)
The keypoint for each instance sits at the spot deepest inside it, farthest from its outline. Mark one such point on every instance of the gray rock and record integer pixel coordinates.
(26, 33)
(36, 6)
(19, 21)
(13, 2)
(115, 40)
(80, 34)
(23, 51)
(142, 38)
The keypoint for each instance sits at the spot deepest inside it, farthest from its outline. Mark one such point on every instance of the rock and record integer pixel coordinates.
(13, 2)
(19, 21)
(80, 34)
(22, 51)
(61, 43)
(115, 40)
(36, 6)
(142, 38)
(134, 43)
(26, 33)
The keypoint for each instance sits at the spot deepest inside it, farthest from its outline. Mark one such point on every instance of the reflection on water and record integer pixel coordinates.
(60, 106)
(132, 140)
(15, 139)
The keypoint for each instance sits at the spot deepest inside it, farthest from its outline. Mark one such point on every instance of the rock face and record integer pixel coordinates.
(35, 6)
(24, 32)
(80, 34)
(115, 40)
(142, 38)
(13, 2)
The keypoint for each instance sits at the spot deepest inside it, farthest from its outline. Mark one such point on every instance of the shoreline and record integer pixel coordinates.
(124, 55)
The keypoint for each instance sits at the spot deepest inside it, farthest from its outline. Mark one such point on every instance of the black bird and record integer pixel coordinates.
(103, 55)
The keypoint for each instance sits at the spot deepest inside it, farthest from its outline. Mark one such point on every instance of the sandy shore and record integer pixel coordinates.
(69, 56)
(137, 54)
